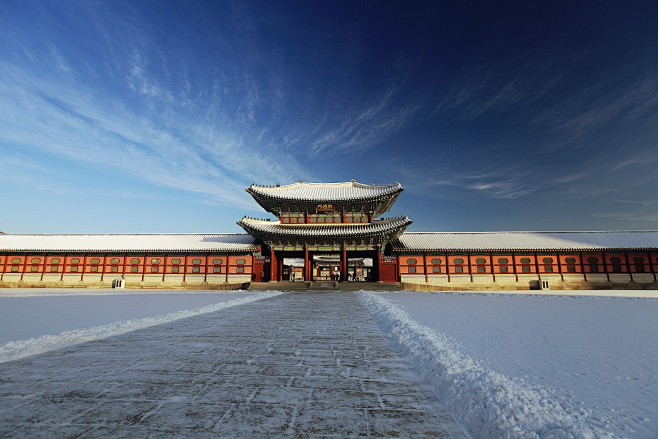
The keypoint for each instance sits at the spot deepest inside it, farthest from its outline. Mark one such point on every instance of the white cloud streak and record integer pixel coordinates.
(500, 184)
(596, 106)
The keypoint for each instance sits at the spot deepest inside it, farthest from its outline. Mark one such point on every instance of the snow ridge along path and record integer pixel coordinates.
(16, 349)
(487, 403)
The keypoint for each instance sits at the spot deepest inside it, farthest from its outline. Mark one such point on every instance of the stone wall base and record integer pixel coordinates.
(528, 285)
(130, 284)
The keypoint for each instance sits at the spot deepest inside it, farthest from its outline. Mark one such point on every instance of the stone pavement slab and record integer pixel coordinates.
(295, 365)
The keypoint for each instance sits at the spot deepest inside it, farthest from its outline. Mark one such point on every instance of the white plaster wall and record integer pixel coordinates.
(596, 277)
(643, 277)
(216, 279)
(574, 277)
(413, 278)
(506, 279)
(239, 278)
(620, 277)
(483, 278)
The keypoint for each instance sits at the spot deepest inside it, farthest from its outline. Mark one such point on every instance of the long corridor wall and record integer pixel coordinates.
(523, 270)
(140, 270)
(473, 270)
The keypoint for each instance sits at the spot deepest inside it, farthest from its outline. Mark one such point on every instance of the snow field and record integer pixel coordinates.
(489, 404)
(145, 310)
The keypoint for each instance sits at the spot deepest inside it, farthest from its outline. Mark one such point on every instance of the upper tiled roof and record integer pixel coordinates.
(325, 230)
(498, 241)
(302, 191)
(129, 243)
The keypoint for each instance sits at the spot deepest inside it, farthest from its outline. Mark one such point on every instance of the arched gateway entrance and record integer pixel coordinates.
(331, 227)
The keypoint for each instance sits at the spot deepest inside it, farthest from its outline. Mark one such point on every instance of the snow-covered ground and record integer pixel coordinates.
(506, 365)
(555, 366)
(36, 321)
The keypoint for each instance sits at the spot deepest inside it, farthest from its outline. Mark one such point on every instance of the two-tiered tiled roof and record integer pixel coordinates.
(529, 241)
(129, 243)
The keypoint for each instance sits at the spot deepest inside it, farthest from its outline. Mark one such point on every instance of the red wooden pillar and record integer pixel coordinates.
(378, 264)
(279, 269)
(425, 266)
(25, 257)
(343, 265)
(4, 270)
(273, 265)
(516, 275)
(306, 264)
(164, 266)
(61, 278)
(651, 266)
(605, 266)
(45, 257)
(537, 265)
(628, 264)
(491, 266)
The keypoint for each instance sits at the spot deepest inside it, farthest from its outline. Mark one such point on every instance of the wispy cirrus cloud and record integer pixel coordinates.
(71, 121)
(637, 217)
(501, 184)
(137, 112)
(601, 103)
(487, 89)
(365, 125)
(641, 158)
(570, 178)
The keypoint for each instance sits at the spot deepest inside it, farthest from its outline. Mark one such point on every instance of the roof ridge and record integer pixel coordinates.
(352, 183)
(123, 234)
(536, 231)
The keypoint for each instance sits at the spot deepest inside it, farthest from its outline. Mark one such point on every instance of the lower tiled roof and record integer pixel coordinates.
(378, 227)
(503, 241)
(440, 241)
(129, 243)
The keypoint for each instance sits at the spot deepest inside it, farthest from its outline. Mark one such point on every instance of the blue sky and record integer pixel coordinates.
(154, 116)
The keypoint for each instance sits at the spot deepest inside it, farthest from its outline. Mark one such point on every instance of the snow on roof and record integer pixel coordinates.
(301, 191)
(495, 241)
(129, 242)
(310, 230)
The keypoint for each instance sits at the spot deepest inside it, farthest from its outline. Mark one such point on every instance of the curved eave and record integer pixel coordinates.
(519, 249)
(367, 199)
(274, 228)
(132, 250)
(265, 196)
(129, 243)
(630, 241)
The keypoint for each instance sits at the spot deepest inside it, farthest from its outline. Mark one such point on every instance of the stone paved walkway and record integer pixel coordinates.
(295, 365)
